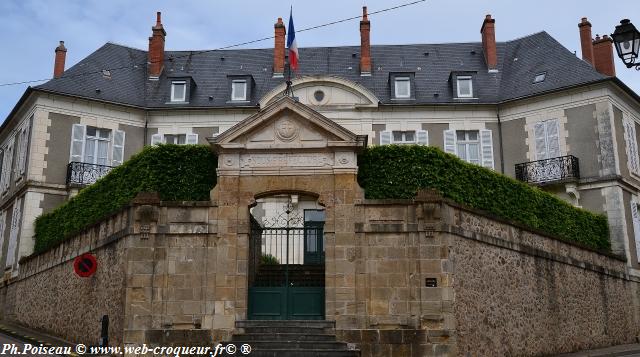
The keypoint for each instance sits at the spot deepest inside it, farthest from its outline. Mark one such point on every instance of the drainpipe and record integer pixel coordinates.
(500, 141)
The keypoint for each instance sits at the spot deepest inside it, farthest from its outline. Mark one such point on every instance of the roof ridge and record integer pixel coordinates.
(125, 46)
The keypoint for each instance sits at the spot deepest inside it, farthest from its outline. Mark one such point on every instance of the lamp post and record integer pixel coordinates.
(627, 41)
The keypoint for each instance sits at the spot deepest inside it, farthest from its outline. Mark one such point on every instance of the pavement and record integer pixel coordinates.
(15, 334)
(632, 350)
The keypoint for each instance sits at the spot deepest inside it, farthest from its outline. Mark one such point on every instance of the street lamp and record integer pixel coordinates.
(627, 40)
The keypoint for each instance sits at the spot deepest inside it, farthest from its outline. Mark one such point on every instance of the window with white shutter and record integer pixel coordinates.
(635, 216)
(192, 139)
(450, 141)
(631, 147)
(23, 148)
(486, 143)
(422, 137)
(2, 226)
(156, 139)
(547, 139)
(7, 163)
(77, 143)
(473, 146)
(385, 137)
(117, 155)
(13, 234)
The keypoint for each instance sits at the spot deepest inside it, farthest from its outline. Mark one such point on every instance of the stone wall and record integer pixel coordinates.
(403, 277)
(50, 297)
(518, 293)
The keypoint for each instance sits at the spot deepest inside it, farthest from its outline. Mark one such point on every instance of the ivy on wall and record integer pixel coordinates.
(188, 173)
(393, 171)
(176, 172)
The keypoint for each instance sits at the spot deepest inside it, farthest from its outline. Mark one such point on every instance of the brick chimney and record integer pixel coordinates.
(156, 48)
(488, 32)
(603, 55)
(61, 56)
(365, 44)
(585, 40)
(278, 49)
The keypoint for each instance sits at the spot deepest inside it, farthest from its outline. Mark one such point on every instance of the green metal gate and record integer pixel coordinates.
(286, 268)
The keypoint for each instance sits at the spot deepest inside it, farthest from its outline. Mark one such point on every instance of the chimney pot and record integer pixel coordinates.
(365, 44)
(278, 48)
(156, 48)
(488, 31)
(603, 55)
(61, 56)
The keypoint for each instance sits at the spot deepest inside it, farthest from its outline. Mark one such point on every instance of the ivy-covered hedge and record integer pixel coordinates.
(392, 171)
(176, 172)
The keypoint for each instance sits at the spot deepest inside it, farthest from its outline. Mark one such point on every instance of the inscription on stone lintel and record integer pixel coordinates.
(286, 160)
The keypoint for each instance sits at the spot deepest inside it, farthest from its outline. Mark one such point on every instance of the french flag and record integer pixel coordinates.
(291, 44)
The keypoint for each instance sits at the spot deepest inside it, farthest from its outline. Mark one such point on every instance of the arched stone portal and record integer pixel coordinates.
(287, 148)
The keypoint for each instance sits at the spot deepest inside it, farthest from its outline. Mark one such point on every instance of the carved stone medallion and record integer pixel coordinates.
(287, 129)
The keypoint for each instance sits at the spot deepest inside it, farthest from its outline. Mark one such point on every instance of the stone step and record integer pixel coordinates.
(288, 329)
(272, 336)
(299, 353)
(297, 345)
(286, 323)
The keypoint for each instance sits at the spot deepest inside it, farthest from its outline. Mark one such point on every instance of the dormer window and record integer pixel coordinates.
(178, 91)
(403, 87)
(239, 90)
(465, 87)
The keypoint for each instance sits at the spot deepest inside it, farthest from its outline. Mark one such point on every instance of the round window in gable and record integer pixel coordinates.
(318, 95)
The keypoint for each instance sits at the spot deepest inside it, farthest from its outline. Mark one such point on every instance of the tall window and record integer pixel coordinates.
(547, 139)
(97, 146)
(468, 145)
(7, 162)
(23, 148)
(474, 146)
(13, 233)
(239, 89)
(631, 146)
(402, 87)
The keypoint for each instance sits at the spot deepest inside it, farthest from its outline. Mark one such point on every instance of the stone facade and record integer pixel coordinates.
(421, 277)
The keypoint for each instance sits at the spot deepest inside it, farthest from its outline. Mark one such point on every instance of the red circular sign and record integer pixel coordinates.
(85, 265)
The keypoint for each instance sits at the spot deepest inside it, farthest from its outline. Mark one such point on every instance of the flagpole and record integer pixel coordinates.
(290, 32)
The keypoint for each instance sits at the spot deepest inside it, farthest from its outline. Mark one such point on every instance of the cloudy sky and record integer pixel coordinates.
(32, 28)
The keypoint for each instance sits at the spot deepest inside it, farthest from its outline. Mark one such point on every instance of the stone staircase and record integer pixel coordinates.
(290, 338)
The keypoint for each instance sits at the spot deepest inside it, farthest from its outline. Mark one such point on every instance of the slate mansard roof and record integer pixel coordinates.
(518, 62)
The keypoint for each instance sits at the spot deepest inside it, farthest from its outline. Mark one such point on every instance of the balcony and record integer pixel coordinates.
(83, 174)
(555, 170)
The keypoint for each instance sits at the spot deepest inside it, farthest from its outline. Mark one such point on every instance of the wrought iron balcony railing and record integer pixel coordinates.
(557, 169)
(82, 174)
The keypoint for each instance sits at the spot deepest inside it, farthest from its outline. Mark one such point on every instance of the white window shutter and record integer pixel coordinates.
(156, 139)
(192, 139)
(553, 138)
(24, 143)
(631, 146)
(635, 217)
(385, 137)
(540, 139)
(13, 234)
(422, 137)
(450, 141)
(486, 143)
(5, 179)
(117, 156)
(78, 132)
